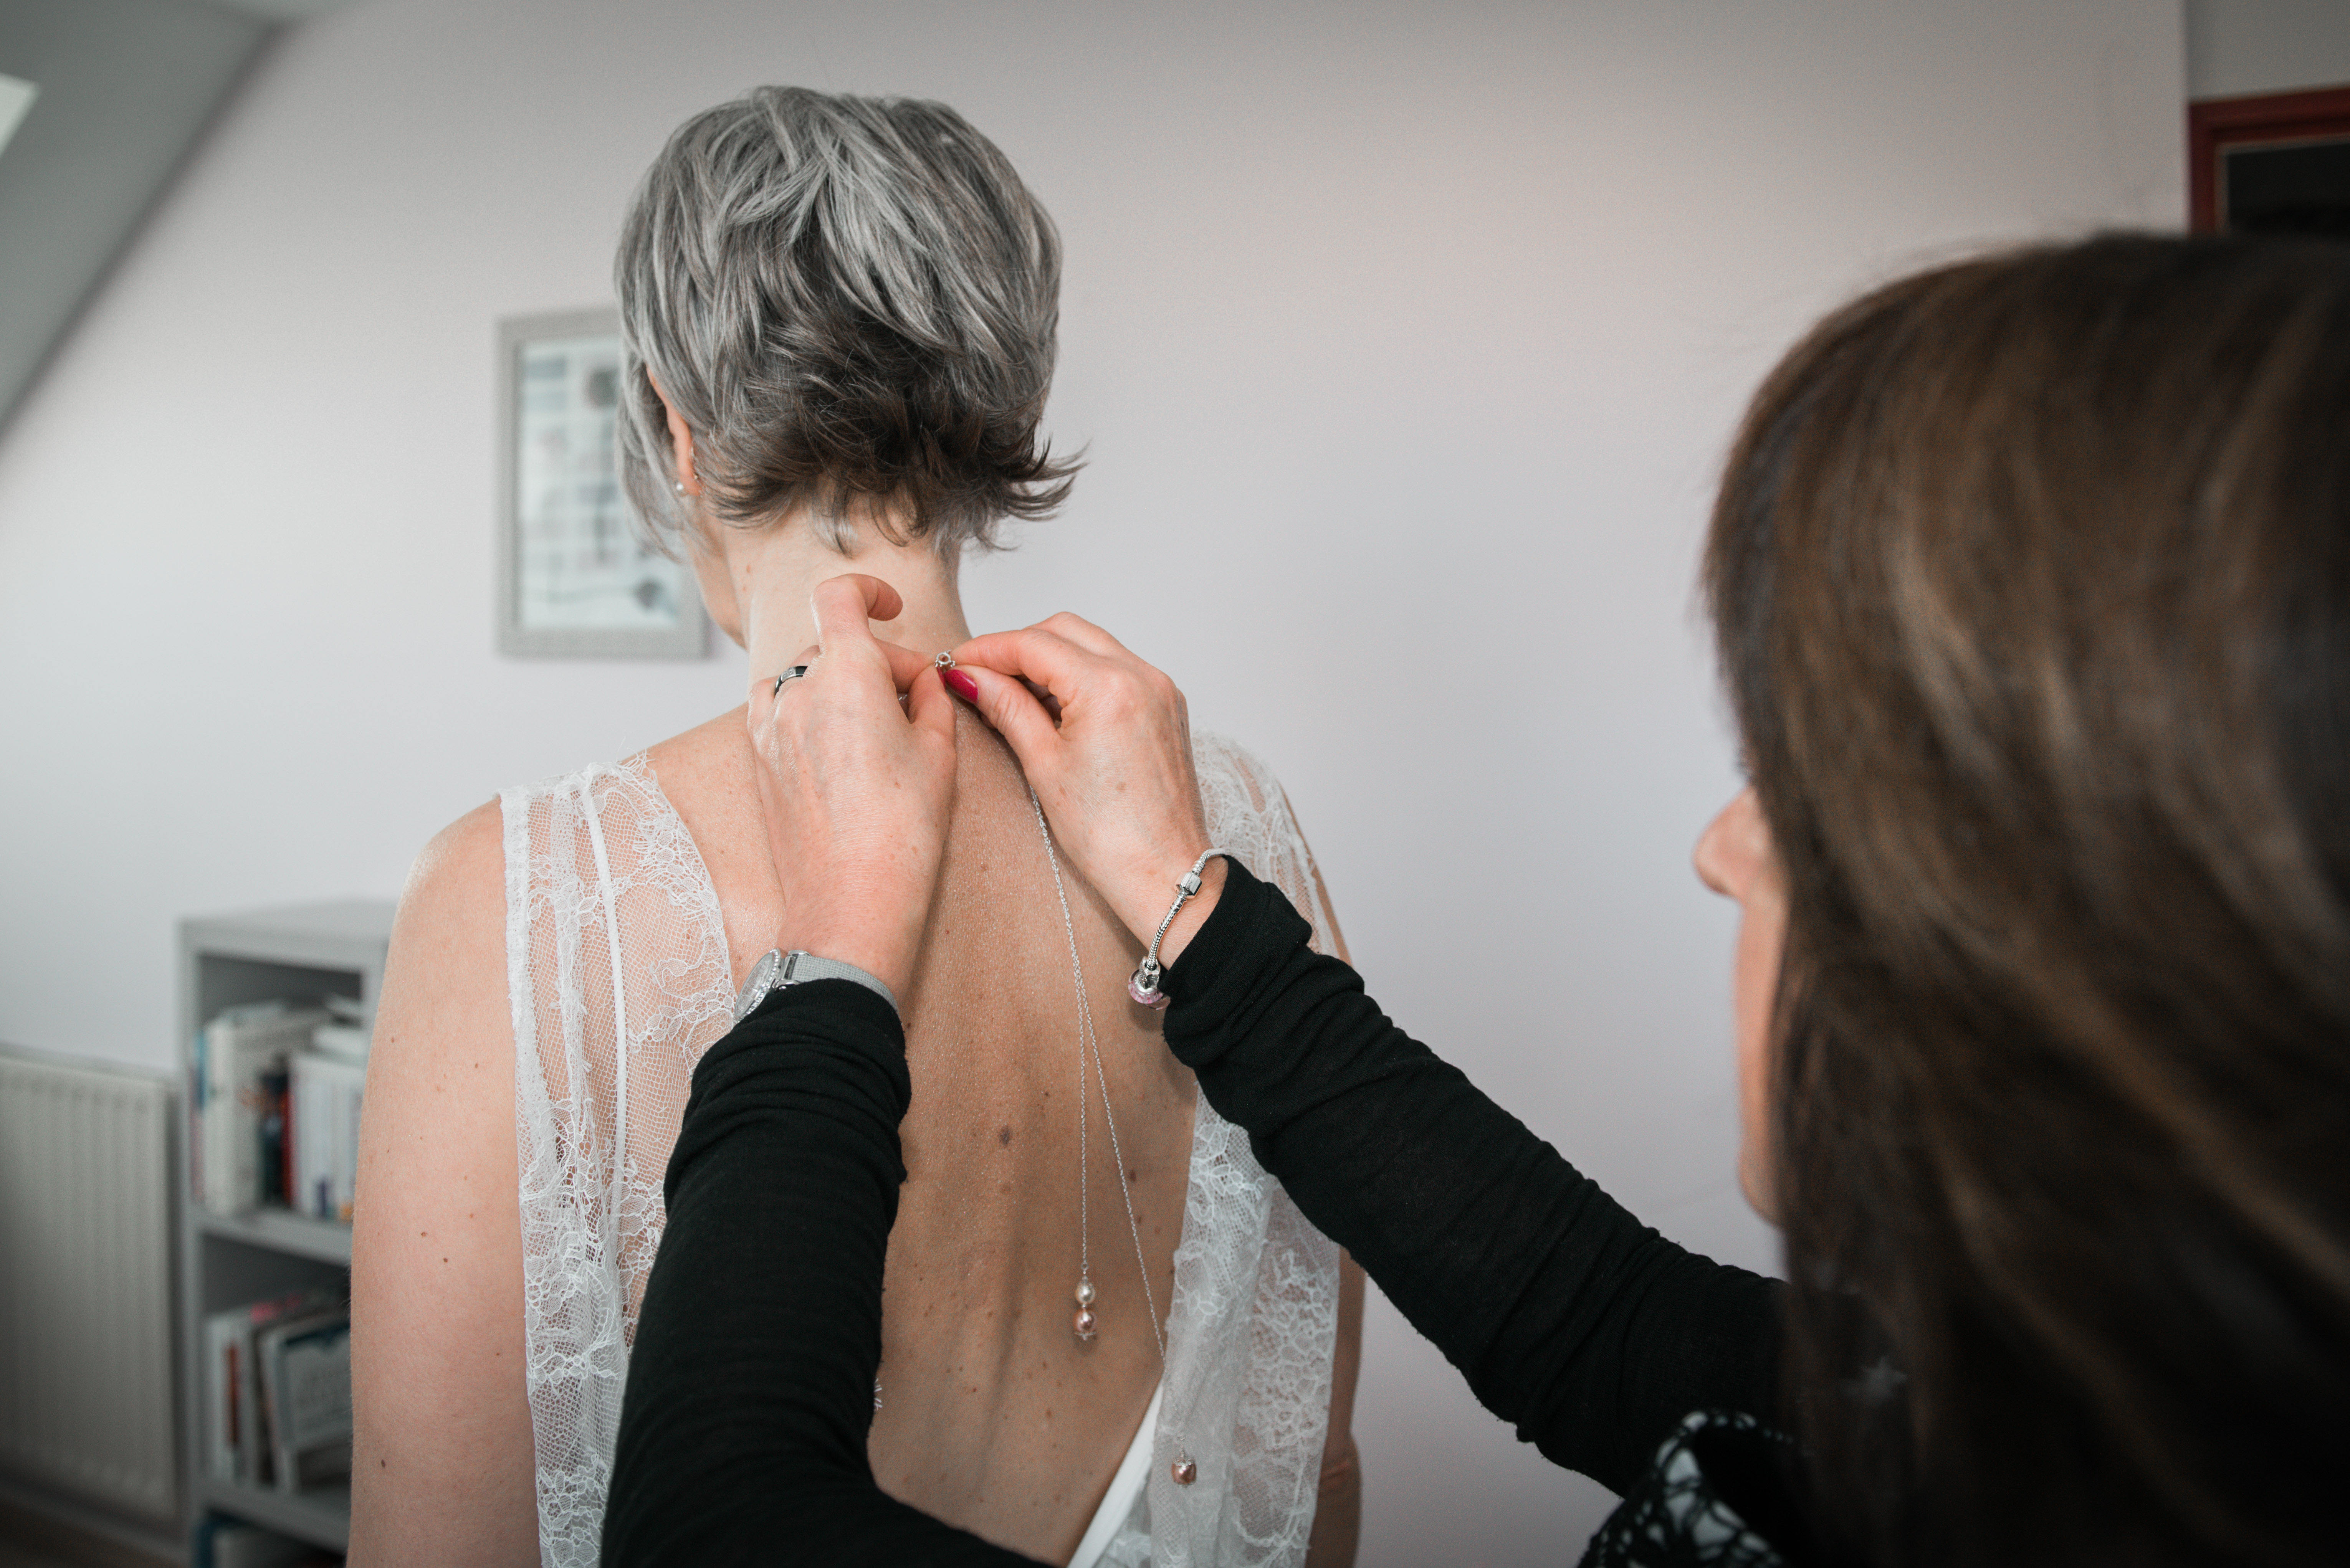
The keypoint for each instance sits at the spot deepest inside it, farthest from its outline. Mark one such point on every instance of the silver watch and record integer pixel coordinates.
(776, 970)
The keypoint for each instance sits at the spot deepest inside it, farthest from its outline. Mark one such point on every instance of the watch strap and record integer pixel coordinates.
(776, 970)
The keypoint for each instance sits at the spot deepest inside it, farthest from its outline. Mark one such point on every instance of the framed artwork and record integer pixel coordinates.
(2272, 163)
(575, 578)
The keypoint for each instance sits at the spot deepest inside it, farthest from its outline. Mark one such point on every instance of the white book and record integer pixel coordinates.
(350, 1093)
(239, 1046)
(348, 1041)
(303, 1119)
(326, 1094)
(306, 1369)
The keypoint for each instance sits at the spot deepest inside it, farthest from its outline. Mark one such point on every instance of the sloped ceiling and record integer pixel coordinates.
(121, 89)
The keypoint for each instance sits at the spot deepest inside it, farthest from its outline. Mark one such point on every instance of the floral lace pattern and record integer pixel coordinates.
(1673, 1517)
(619, 979)
(617, 975)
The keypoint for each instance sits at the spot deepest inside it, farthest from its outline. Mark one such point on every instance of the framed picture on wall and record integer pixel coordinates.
(575, 578)
(2271, 163)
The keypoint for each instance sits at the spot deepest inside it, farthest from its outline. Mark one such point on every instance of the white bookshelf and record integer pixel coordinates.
(302, 954)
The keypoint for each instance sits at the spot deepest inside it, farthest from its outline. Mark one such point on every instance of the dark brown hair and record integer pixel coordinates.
(853, 303)
(2031, 581)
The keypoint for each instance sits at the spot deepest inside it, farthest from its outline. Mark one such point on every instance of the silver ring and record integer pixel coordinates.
(794, 673)
(943, 662)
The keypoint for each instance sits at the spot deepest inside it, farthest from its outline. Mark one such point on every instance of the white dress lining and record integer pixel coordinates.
(1125, 1487)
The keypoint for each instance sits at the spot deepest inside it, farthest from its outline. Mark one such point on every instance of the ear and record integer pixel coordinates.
(680, 440)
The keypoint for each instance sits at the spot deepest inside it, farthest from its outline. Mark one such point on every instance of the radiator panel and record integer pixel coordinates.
(87, 1402)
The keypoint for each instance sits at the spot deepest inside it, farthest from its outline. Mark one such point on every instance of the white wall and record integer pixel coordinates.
(2266, 45)
(1405, 337)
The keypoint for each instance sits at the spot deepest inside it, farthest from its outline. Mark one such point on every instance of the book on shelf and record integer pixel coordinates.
(348, 1035)
(323, 1147)
(238, 1055)
(276, 1167)
(274, 1108)
(306, 1397)
(239, 1444)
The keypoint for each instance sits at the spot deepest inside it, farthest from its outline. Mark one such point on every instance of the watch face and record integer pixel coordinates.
(754, 990)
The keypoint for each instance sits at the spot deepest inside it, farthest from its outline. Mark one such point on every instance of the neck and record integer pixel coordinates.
(773, 569)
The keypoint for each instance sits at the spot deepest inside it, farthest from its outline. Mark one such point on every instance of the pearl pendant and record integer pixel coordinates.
(1082, 1325)
(1184, 1472)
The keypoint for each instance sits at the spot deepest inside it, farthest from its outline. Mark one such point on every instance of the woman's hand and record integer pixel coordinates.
(1114, 772)
(856, 789)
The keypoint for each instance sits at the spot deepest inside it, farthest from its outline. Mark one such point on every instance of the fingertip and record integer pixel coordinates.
(984, 694)
(1028, 651)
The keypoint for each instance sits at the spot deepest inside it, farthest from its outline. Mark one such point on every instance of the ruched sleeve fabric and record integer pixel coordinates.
(750, 1390)
(1586, 1329)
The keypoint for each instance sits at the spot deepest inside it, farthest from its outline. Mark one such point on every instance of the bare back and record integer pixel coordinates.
(992, 1415)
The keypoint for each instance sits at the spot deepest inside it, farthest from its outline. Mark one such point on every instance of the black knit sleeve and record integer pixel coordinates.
(1590, 1331)
(750, 1389)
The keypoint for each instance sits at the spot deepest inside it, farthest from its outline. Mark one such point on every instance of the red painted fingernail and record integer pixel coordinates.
(962, 686)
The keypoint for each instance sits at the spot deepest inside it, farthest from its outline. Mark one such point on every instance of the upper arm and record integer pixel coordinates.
(442, 1465)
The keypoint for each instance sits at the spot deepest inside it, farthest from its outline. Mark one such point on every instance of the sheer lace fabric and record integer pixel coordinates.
(616, 967)
(617, 975)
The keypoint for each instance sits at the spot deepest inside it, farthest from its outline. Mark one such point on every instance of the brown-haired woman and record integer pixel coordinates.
(2032, 578)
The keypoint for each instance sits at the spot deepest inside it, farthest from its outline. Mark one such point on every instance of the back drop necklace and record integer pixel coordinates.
(1090, 1075)
(1083, 1323)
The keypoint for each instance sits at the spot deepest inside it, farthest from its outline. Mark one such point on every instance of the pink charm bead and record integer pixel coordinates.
(1083, 1324)
(1148, 998)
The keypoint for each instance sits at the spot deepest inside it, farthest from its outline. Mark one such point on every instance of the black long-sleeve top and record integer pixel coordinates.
(742, 1435)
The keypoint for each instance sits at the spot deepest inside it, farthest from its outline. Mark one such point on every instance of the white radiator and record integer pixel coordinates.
(86, 1384)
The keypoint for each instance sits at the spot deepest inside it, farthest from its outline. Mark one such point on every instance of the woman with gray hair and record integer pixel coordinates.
(838, 316)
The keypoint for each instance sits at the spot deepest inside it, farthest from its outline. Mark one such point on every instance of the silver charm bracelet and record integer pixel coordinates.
(1144, 986)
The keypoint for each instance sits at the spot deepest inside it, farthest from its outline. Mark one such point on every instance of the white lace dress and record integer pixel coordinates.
(617, 971)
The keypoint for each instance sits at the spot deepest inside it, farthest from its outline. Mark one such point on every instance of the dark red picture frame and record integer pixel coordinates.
(2216, 124)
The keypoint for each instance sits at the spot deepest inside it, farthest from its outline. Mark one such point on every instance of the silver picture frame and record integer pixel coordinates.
(575, 578)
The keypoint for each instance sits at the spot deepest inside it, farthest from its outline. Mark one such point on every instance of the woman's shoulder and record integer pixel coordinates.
(675, 830)
(705, 771)
(1249, 813)
(452, 880)
(1234, 778)
(1246, 806)
(685, 766)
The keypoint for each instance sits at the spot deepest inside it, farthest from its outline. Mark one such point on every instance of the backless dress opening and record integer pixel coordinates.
(619, 979)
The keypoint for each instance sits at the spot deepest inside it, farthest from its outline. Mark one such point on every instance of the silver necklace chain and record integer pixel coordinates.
(1090, 1047)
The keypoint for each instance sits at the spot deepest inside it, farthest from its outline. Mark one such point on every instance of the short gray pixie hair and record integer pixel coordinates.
(853, 304)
